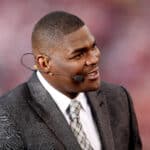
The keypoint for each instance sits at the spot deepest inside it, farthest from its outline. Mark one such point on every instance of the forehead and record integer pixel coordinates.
(79, 38)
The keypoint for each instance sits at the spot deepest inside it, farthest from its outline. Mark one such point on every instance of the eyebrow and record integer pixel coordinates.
(83, 48)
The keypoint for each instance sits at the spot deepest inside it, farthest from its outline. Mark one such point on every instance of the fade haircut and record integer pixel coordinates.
(50, 29)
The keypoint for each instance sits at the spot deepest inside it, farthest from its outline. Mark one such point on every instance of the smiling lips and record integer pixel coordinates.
(94, 74)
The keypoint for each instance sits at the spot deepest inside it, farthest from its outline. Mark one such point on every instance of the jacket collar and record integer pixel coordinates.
(48, 111)
(100, 111)
(46, 108)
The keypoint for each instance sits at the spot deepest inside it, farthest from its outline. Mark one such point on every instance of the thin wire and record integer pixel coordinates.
(22, 61)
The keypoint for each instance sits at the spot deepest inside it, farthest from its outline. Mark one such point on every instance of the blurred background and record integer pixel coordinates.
(122, 31)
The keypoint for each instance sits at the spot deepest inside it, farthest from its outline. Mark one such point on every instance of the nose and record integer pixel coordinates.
(93, 57)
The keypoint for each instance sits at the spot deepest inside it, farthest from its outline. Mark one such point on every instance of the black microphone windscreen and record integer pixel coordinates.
(78, 78)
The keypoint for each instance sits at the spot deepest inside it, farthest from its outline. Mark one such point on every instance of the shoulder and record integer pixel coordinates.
(112, 89)
(14, 101)
(10, 135)
(115, 94)
(14, 95)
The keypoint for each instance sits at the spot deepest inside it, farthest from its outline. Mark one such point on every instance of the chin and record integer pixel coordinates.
(92, 87)
(87, 86)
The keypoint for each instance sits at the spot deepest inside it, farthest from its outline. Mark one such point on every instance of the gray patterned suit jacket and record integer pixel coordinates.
(30, 120)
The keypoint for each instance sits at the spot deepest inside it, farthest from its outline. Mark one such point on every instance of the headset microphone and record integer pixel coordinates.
(78, 78)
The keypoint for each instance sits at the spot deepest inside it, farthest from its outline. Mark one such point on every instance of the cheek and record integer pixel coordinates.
(61, 64)
(70, 67)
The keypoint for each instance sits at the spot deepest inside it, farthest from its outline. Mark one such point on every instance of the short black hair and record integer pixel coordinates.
(53, 26)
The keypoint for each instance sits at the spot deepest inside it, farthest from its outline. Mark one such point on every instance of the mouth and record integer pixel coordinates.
(94, 74)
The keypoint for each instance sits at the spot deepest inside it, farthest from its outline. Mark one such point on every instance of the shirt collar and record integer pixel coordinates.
(83, 100)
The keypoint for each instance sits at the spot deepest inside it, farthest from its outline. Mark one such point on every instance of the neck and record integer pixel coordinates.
(60, 87)
(72, 95)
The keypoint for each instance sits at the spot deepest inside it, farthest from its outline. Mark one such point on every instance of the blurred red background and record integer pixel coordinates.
(122, 31)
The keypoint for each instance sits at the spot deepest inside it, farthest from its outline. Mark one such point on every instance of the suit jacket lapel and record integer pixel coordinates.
(46, 108)
(98, 104)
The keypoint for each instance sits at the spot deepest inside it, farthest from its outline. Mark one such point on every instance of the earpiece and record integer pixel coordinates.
(35, 67)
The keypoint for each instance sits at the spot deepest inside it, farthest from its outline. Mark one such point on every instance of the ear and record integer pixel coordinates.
(43, 63)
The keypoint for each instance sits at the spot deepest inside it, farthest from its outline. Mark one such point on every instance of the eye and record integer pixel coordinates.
(79, 55)
(94, 46)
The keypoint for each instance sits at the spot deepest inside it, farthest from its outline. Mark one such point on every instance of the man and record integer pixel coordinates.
(65, 105)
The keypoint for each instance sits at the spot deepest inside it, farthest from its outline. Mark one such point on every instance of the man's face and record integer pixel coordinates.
(77, 56)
